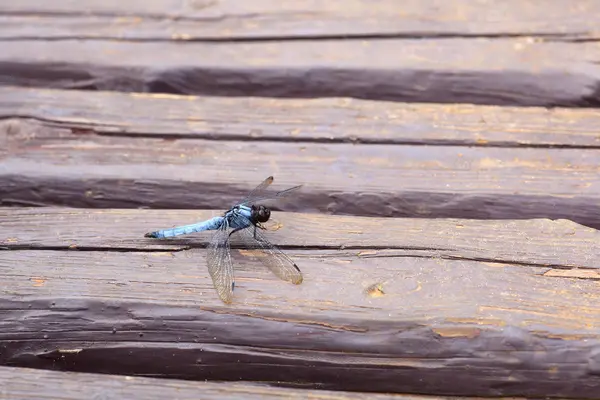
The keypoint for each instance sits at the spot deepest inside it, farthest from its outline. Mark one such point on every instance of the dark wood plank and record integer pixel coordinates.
(28, 383)
(42, 165)
(513, 71)
(305, 120)
(260, 19)
(435, 324)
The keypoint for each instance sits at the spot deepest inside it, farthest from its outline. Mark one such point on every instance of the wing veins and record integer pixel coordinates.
(220, 266)
(275, 259)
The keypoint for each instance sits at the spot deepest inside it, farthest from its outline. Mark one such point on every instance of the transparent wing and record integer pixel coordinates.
(220, 266)
(268, 196)
(280, 264)
(259, 193)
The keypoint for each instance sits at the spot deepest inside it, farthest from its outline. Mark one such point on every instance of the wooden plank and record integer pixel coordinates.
(527, 329)
(28, 383)
(562, 243)
(519, 71)
(303, 120)
(533, 242)
(48, 166)
(260, 19)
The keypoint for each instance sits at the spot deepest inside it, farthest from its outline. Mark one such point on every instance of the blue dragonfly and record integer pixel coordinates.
(246, 218)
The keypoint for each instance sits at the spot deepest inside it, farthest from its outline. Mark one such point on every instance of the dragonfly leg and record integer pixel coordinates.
(235, 230)
(259, 226)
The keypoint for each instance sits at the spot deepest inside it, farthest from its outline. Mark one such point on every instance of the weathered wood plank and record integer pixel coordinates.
(437, 325)
(54, 166)
(530, 242)
(305, 120)
(520, 72)
(260, 19)
(27, 383)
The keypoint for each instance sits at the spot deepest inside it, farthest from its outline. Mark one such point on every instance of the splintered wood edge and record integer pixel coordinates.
(35, 383)
(327, 119)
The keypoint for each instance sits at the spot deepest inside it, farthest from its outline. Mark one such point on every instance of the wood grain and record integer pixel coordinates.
(28, 383)
(303, 120)
(517, 71)
(269, 19)
(401, 320)
(528, 242)
(43, 165)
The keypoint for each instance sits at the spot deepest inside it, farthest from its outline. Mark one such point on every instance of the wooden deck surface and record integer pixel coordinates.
(449, 154)
(523, 53)
(426, 296)
(371, 157)
(24, 383)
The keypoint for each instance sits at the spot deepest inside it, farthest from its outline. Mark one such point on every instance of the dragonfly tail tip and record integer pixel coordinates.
(150, 235)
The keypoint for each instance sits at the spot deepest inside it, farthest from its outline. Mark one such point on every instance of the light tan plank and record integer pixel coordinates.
(258, 19)
(533, 242)
(305, 120)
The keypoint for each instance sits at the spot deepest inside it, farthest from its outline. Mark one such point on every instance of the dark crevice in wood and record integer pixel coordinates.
(356, 140)
(511, 262)
(188, 246)
(559, 37)
(79, 128)
(567, 39)
(30, 247)
(17, 383)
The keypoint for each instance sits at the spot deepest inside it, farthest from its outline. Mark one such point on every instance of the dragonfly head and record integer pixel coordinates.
(260, 213)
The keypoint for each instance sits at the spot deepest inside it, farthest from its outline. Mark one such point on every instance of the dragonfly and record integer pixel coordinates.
(246, 219)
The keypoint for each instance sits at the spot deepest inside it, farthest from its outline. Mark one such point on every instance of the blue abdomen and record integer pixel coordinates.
(209, 224)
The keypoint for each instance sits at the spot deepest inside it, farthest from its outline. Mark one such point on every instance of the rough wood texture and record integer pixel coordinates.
(46, 165)
(262, 19)
(519, 71)
(303, 120)
(446, 307)
(26, 383)
(541, 242)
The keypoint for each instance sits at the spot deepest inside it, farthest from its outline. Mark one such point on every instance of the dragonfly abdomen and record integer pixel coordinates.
(209, 224)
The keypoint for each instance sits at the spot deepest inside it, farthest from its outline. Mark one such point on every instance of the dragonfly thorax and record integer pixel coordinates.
(260, 214)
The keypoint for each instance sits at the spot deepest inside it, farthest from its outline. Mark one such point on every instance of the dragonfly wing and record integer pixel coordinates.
(220, 266)
(257, 191)
(267, 196)
(277, 261)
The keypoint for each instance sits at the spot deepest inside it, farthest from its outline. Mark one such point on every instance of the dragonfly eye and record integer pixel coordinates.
(263, 214)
